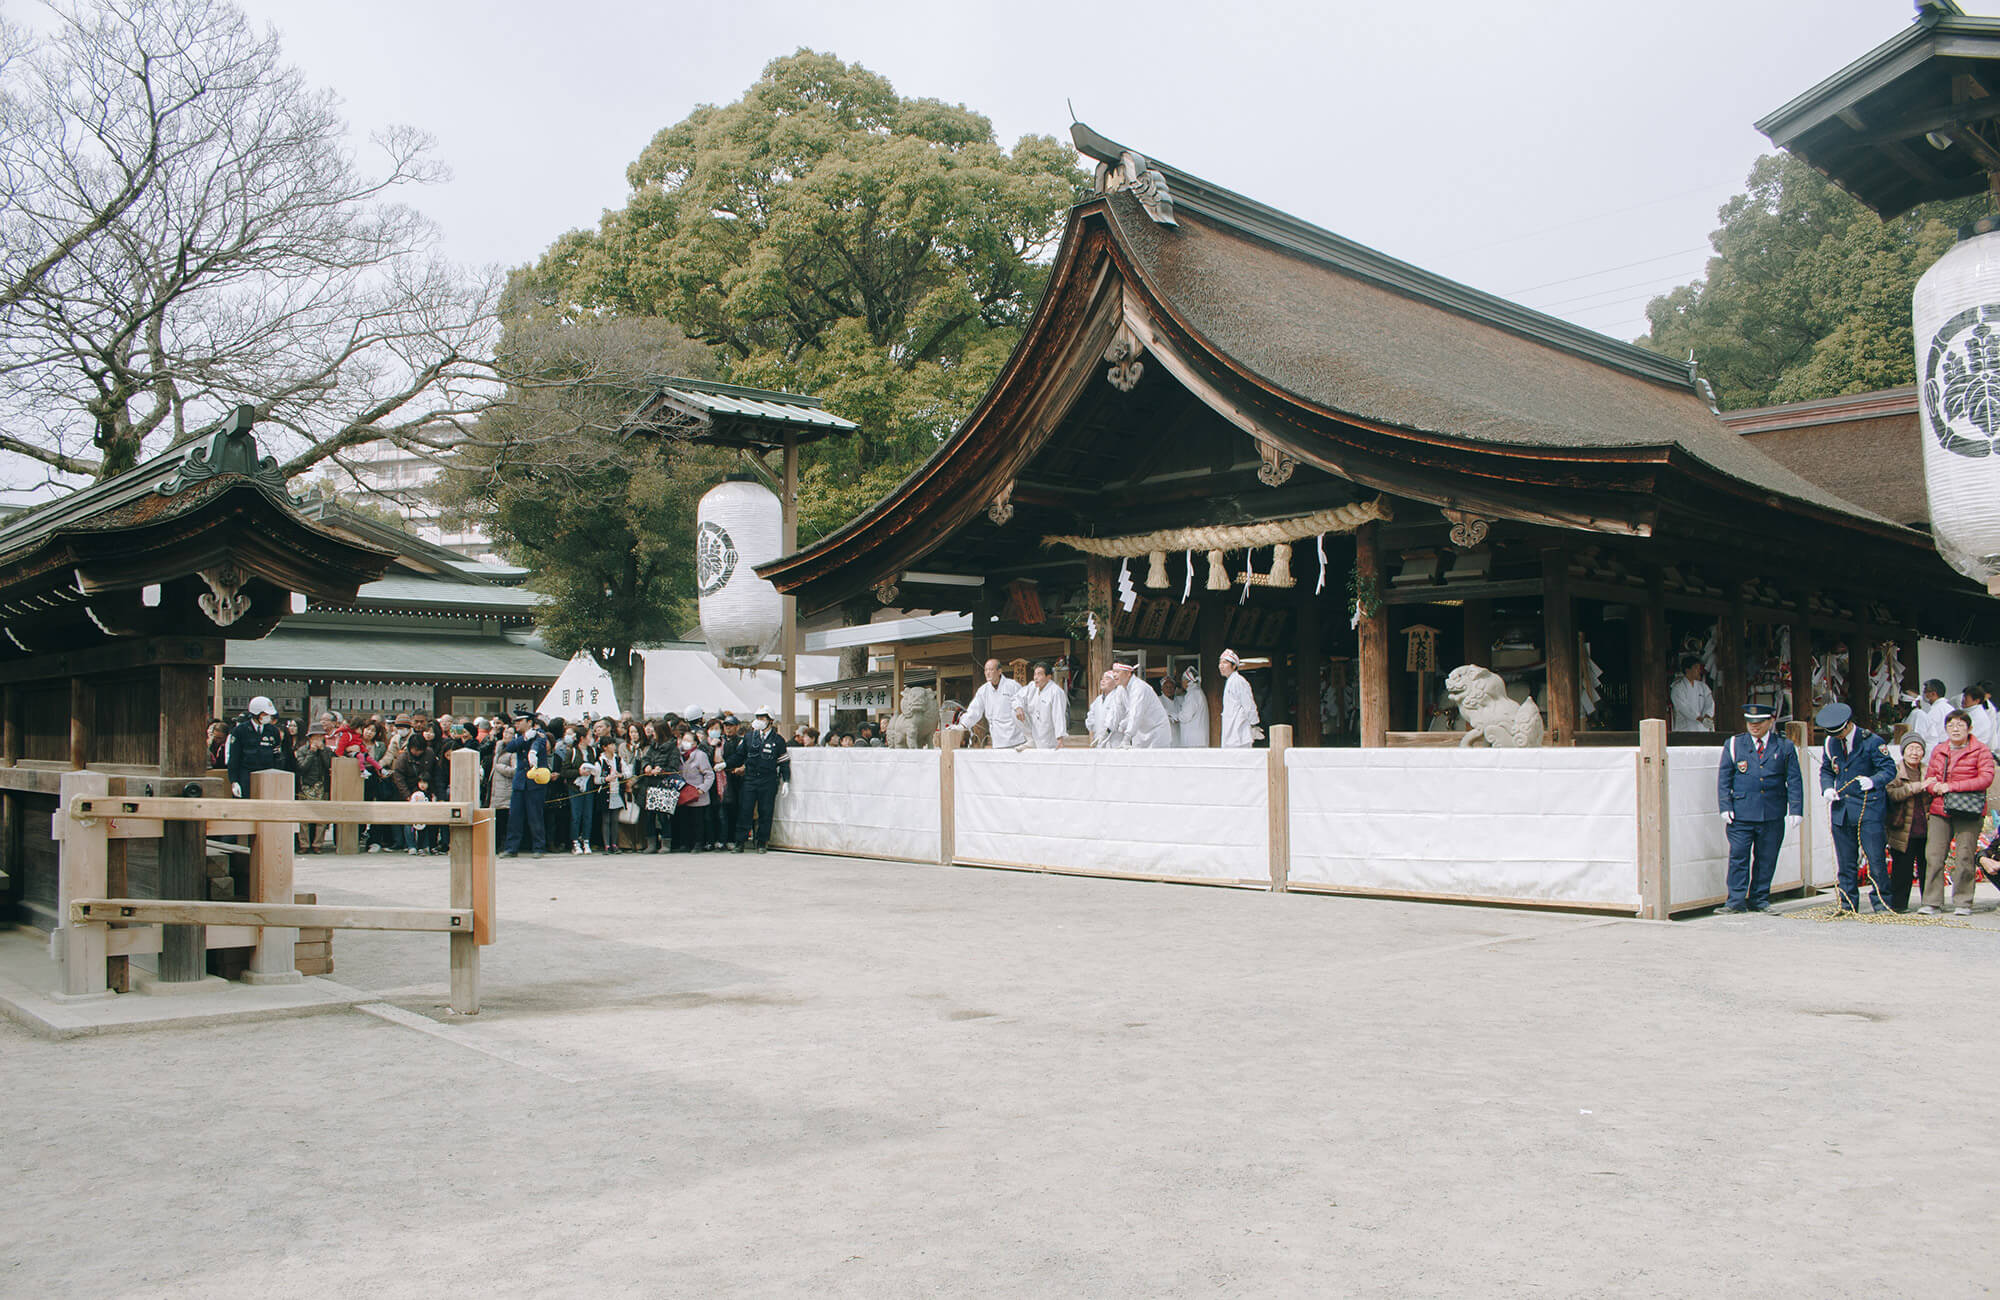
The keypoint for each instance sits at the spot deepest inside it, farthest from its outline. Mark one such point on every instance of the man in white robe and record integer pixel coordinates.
(1171, 701)
(1193, 711)
(1690, 701)
(1044, 710)
(996, 703)
(1142, 719)
(1101, 721)
(1239, 706)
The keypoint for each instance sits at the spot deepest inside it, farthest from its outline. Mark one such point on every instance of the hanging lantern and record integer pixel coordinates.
(737, 527)
(1957, 318)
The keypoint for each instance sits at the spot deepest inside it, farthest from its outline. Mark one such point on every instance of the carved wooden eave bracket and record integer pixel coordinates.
(1001, 508)
(1468, 530)
(886, 592)
(1132, 172)
(1278, 464)
(225, 601)
(1123, 358)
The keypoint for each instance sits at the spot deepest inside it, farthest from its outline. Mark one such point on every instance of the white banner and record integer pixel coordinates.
(1550, 825)
(1194, 813)
(1698, 842)
(876, 803)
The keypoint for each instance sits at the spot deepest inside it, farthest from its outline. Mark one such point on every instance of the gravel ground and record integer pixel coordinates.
(786, 1074)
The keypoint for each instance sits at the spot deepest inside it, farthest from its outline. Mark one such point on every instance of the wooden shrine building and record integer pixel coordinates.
(1212, 390)
(116, 606)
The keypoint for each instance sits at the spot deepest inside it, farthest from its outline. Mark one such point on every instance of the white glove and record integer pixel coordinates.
(236, 789)
(1792, 821)
(1728, 819)
(1830, 794)
(1865, 782)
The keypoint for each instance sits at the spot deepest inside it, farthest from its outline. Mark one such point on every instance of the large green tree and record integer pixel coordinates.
(825, 235)
(1808, 294)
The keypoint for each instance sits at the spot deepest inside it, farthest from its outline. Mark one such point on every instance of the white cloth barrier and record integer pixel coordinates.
(1196, 814)
(877, 803)
(1511, 825)
(1698, 842)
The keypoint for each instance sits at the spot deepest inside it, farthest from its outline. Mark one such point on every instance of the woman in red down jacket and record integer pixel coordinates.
(1960, 764)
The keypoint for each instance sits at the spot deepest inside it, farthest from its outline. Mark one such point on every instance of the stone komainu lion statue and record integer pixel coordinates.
(1481, 699)
(916, 722)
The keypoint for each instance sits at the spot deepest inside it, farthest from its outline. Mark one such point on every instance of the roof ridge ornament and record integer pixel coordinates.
(228, 449)
(1132, 172)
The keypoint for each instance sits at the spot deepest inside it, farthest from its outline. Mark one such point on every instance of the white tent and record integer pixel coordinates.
(684, 675)
(584, 687)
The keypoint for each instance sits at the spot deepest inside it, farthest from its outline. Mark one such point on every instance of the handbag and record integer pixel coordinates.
(629, 814)
(664, 794)
(1965, 803)
(690, 793)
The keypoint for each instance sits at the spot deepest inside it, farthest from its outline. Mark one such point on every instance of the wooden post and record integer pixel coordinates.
(465, 944)
(1559, 644)
(346, 786)
(1311, 670)
(1802, 691)
(215, 702)
(82, 723)
(1799, 732)
(10, 806)
(1373, 666)
(184, 718)
(1655, 859)
(1858, 684)
(1098, 658)
(82, 853)
(896, 682)
(949, 741)
(274, 961)
(1656, 663)
(1278, 799)
(485, 921)
(1479, 632)
(1210, 618)
(788, 642)
(1734, 686)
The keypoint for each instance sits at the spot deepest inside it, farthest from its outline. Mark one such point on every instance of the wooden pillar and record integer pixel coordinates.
(274, 960)
(1858, 685)
(1799, 732)
(1311, 671)
(215, 703)
(1654, 663)
(1099, 573)
(1802, 661)
(949, 741)
(1655, 876)
(1278, 800)
(1212, 613)
(788, 640)
(1559, 644)
(343, 786)
(896, 681)
(1478, 633)
(1372, 666)
(982, 635)
(1732, 686)
(82, 722)
(82, 854)
(10, 807)
(184, 696)
(465, 943)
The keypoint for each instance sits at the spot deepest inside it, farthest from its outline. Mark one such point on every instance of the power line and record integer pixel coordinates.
(1585, 297)
(1550, 284)
(1595, 216)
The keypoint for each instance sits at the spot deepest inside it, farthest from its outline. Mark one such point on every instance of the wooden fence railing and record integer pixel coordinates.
(90, 817)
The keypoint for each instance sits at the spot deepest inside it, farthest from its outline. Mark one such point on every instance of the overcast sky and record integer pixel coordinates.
(1570, 156)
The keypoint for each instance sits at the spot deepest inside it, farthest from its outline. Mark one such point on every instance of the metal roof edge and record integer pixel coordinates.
(739, 390)
(1787, 122)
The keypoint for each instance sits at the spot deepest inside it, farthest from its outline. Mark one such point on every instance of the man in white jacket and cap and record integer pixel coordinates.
(1142, 719)
(1044, 709)
(998, 704)
(1102, 719)
(1239, 706)
(1192, 708)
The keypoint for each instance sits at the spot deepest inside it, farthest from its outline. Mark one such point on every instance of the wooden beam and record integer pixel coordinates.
(82, 872)
(1802, 692)
(1277, 799)
(949, 741)
(1099, 574)
(184, 714)
(1431, 595)
(1372, 669)
(288, 811)
(1559, 646)
(1311, 669)
(485, 893)
(464, 863)
(1858, 684)
(1655, 859)
(346, 786)
(273, 961)
(121, 657)
(1211, 612)
(1479, 632)
(292, 916)
(1731, 687)
(1656, 666)
(82, 722)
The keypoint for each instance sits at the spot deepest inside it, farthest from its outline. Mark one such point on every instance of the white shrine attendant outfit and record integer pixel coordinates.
(1692, 705)
(1193, 713)
(995, 704)
(1239, 709)
(1102, 720)
(1173, 708)
(1047, 707)
(1925, 726)
(1143, 717)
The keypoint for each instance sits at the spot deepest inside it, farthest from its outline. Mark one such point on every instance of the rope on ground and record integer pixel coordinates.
(1832, 911)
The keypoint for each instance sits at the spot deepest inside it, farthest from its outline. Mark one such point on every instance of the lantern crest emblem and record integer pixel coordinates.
(1962, 382)
(714, 557)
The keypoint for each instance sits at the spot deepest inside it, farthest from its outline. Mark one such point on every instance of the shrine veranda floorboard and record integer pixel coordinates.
(788, 1074)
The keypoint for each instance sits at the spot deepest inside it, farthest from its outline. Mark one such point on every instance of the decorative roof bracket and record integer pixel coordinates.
(1001, 508)
(1123, 355)
(1132, 172)
(1468, 530)
(1277, 466)
(225, 601)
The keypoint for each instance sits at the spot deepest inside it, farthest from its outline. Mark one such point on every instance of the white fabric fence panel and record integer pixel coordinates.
(877, 803)
(1533, 825)
(1200, 814)
(1698, 842)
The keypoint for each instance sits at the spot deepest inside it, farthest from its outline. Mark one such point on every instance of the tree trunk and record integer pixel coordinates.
(628, 678)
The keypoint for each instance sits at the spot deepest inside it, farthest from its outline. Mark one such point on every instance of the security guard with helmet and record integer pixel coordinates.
(1761, 793)
(1854, 781)
(256, 744)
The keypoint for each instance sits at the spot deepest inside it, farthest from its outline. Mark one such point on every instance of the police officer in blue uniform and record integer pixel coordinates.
(529, 801)
(1854, 780)
(765, 764)
(1762, 794)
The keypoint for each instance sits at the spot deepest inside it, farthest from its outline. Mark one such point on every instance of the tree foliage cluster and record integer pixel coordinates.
(1808, 294)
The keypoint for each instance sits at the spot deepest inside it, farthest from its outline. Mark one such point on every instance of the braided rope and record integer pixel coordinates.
(1230, 537)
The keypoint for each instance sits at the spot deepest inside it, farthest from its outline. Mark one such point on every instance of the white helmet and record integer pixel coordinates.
(262, 705)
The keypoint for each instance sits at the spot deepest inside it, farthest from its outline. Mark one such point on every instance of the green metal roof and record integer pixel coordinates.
(297, 652)
(730, 415)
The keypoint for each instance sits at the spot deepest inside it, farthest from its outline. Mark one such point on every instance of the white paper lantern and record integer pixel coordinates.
(738, 527)
(1957, 318)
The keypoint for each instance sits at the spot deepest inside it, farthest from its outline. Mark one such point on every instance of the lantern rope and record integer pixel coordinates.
(1229, 537)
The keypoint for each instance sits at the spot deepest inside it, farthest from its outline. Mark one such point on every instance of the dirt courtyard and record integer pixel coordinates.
(788, 1074)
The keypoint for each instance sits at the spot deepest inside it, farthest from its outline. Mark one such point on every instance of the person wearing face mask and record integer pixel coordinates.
(766, 765)
(712, 829)
(691, 817)
(730, 766)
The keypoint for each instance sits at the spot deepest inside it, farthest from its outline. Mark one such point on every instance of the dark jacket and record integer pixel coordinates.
(764, 758)
(315, 769)
(1907, 804)
(531, 750)
(1760, 789)
(254, 749)
(1847, 761)
(413, 764)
